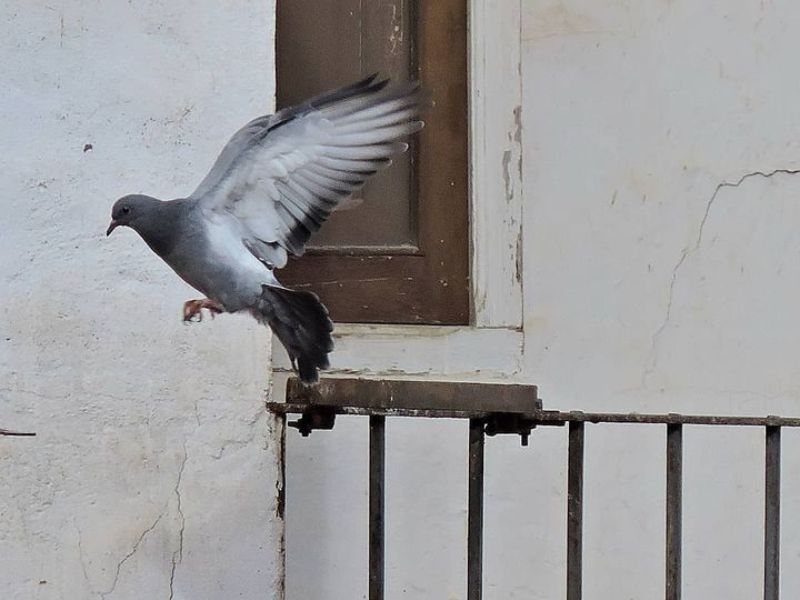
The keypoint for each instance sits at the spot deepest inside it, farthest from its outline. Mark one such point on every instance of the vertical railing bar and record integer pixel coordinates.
(280, 504)
(475, 511)
(674, 510)
(772, 513)
(377, 483)
(575, 511)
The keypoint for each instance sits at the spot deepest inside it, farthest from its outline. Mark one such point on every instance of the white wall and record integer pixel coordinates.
(153, 473)
(661, 273)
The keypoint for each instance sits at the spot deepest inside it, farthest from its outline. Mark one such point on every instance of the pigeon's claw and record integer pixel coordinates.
(193, 309)
(192, 312)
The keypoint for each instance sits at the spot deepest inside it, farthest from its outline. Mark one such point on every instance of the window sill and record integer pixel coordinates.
(420, 351)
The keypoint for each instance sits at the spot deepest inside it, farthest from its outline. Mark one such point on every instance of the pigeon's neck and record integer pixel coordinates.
(160, 226)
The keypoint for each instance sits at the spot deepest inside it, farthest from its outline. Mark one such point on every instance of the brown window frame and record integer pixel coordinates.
(426, 282)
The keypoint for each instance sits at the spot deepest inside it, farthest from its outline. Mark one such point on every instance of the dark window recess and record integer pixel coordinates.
(401, 254)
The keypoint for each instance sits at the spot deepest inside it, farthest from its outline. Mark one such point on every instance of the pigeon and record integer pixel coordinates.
(275, 183)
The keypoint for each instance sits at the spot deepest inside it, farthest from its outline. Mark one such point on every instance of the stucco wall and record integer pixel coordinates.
(153, 474)
(661, 273)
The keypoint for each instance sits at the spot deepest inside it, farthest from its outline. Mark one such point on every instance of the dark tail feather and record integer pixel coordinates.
(302, 325)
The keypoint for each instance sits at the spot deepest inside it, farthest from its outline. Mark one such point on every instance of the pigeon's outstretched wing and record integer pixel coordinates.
(281, 175)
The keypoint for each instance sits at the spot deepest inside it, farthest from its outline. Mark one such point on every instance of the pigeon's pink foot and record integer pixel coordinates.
(193, 309)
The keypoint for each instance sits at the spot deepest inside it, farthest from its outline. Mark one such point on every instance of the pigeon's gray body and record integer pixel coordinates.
(205, 249)
(273, 185)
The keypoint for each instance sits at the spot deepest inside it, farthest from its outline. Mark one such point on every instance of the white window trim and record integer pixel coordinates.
(492, 346)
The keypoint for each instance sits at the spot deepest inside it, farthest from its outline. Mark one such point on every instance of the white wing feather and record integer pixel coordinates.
(282, 175)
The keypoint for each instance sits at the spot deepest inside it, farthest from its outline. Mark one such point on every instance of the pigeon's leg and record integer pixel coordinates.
(193, 309)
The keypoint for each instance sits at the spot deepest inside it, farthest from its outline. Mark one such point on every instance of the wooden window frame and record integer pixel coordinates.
(422, 276)
(491, 346)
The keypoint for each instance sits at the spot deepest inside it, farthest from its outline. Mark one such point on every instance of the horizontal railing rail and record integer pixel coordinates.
(494, 409)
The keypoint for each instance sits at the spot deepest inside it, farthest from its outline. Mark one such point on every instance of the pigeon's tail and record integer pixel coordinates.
(302, 324)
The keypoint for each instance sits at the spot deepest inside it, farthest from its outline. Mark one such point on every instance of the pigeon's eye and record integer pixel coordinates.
(126, 210)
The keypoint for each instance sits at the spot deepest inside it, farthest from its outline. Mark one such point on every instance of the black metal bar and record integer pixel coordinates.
(575, 511)
(280, 505)
(545, 417)
(301, 408)
(674, 510)
(475, 512)
(377, 481)
(772, 514)
(8, 432)
(668, 419)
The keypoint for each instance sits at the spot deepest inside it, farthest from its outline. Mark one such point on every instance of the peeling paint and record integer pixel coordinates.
(514, 150)
(517, 137)
(509, 186)
(397, 31)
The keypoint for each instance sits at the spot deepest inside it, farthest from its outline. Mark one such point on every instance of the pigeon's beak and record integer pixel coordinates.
(111, 227)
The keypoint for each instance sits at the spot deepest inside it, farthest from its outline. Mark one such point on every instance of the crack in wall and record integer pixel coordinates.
(688, 250)
(177, 554)
(130, 554)
(651, 367)
(254, 426)
(735, 184)
(197, 410)
(82, 557)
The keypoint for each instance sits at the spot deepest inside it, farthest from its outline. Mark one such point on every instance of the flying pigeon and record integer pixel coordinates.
(274, 184)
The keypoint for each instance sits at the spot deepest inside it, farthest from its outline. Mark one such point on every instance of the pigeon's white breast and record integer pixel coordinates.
(238, 273)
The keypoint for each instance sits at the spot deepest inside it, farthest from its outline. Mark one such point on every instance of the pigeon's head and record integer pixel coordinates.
(129, 209)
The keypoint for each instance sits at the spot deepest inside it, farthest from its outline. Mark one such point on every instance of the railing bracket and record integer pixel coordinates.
(315, 417)
(509, 423)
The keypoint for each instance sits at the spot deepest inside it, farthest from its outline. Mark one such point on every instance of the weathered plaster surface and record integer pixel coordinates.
(661, 141)
(678, 141)
(153, 473)
(661, 157)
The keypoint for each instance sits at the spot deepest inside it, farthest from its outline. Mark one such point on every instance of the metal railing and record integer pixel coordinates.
(494, 409)
(11, 433)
